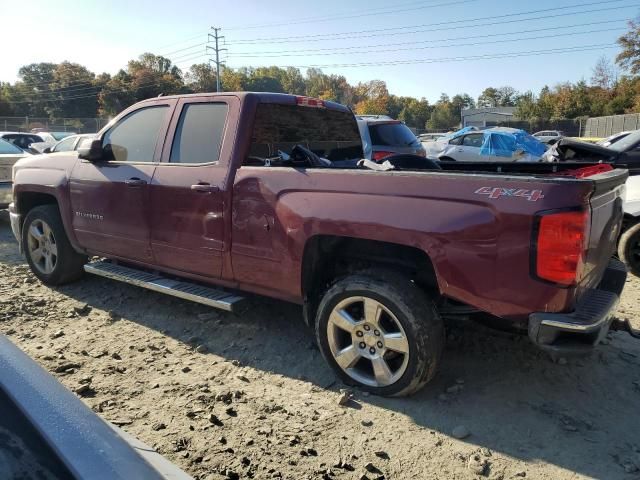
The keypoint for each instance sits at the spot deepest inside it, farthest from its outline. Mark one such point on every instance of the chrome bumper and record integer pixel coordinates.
(588, 324)
(15, 224)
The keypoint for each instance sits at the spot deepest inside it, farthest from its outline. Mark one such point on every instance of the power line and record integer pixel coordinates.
(427, 47)
(370, 12)
(530, 53)
(415, 42)
(377, 32)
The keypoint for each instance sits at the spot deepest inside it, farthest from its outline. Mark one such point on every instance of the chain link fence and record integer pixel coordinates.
(76, 125)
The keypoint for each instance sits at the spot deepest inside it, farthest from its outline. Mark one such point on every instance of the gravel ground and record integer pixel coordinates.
(249, 396)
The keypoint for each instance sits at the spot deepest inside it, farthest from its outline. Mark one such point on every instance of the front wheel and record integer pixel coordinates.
(380, 332)
(49, 254)
(629, 249)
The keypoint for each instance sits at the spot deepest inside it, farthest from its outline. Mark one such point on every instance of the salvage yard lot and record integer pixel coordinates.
(221, 395)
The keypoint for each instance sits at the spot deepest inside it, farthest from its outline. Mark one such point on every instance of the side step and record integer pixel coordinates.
(181, 289)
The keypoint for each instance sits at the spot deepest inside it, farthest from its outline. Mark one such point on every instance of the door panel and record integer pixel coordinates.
(188, 189)
(110, 213)
(110, 197)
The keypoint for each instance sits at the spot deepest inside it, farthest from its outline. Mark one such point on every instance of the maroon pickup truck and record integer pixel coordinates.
(211, 197)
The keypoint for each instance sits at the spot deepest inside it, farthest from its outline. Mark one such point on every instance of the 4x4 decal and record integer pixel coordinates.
(497, 192)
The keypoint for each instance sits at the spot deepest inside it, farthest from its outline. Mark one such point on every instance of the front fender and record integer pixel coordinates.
(48, 181)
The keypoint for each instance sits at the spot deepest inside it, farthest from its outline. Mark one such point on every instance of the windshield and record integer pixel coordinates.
(626, 143)
(61, 135)
(392, 134)
(7, 148)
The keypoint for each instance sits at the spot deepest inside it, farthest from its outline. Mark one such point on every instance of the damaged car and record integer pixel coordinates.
(495, 144)
(624, 153)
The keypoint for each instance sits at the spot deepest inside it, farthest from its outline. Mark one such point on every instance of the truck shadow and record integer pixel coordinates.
(581, 416)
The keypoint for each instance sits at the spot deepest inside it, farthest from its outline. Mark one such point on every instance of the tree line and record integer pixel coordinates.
(70, 90)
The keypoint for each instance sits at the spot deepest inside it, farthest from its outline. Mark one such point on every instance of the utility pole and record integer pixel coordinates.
(216, 37)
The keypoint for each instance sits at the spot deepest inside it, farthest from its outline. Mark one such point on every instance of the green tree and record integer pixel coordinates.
(629, 57)
(444, 115)
(201, 77)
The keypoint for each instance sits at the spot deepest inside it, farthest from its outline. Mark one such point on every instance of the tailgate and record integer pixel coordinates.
(606, 221)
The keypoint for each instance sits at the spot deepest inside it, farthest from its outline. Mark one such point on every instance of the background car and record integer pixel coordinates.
(21, 140)
(629, 241)
(383, 136)
(69, 144)
(431, 137)
(49, 139)
(9, 154)
(624, 153)
(466, 146)
(549, 136)
(606, 142)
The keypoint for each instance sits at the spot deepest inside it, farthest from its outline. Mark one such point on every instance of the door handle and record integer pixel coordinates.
(135, 182)
(204, 188)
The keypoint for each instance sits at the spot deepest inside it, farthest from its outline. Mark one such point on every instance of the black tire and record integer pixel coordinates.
(412, 309)
(629, 249)
(68, 263)
(446, 159)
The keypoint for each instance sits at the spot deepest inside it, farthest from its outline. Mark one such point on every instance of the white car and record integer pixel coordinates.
(629, 242)
(49, 139)
(549, 136)
(466, 148)
(607, 142)
(9, 154)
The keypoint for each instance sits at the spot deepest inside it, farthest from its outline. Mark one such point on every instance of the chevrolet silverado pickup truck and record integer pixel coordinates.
(214, 197)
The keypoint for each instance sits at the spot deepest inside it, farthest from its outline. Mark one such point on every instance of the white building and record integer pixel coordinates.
(488, 116)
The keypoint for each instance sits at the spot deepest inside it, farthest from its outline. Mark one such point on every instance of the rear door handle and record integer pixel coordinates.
(135, 182)
(204, 188)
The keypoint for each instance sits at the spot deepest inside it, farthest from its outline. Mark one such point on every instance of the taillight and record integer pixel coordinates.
(377, 156)
(309, 102)
(561, 246)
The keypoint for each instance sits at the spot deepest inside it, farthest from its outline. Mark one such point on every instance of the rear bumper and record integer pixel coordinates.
(5, 194)
(582, 329)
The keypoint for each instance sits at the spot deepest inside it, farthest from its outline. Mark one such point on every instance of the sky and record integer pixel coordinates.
(420, 48)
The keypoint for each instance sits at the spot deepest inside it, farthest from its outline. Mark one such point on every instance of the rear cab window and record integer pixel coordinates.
(392, 134)
(199, 133)
(329, 133)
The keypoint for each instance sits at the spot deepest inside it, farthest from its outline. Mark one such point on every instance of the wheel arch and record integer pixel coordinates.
(351, 254)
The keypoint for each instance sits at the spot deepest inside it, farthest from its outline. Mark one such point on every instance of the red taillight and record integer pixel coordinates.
(309, 102)
(561, 246)
(377, 156)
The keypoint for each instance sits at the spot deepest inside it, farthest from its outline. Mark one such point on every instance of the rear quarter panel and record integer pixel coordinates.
(480, 247)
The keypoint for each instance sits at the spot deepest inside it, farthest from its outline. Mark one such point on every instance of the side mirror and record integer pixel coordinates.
(47, 150)
(91, 149)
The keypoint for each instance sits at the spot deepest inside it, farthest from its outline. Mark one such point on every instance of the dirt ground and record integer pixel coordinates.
(249, 396)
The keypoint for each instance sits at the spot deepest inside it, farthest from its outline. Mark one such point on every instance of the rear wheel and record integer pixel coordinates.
(49, 254)
(629, 248)
(380, 332)
(446, 159)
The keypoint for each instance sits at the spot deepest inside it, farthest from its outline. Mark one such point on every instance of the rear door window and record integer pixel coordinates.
(392, 135)
(329, 133)
(198, 137)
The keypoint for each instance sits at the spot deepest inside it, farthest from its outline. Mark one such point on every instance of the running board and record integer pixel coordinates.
(151, 281)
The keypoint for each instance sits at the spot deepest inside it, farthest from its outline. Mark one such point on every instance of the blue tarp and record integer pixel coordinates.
(503, 144)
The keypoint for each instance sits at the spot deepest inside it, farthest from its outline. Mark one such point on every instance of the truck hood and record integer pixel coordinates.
(53, 161)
